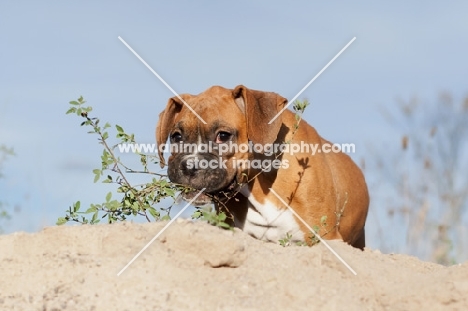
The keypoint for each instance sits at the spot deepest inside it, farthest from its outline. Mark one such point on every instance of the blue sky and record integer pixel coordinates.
(53, 52)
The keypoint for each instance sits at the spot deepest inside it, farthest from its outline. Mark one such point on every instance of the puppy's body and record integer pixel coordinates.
(325, 189)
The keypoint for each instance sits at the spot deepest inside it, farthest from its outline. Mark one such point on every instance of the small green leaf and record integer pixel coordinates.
(224, 225)
(108, 197)
(61, 221)
(73, 102)
(154, 212)
(92, 209)
(222, 216)
(170, 192)
(165, 217)
(71, 110)
(119, 128)
(97, 174)
(105, 135)
(76, 206)
(114, 205)
(94, 218)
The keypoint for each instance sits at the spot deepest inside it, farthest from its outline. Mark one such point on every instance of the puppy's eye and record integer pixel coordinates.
(176, 137)
(223, 137)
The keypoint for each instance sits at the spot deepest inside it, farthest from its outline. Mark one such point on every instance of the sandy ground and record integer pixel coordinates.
(194, 266)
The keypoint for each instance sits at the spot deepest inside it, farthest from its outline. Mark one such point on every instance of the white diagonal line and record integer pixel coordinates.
(313, 231)
(161, 79)
(313, 79)
(160, 232)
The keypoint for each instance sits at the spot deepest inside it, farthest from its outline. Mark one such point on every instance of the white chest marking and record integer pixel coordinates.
(267, 222)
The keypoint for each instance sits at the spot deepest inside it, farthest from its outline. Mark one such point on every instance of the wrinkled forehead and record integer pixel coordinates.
(214, 107)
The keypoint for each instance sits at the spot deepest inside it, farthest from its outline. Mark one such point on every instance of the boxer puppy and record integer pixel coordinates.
(326, 189)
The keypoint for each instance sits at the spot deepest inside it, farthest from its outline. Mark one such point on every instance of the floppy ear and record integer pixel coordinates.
(259, 108)
(165, 122)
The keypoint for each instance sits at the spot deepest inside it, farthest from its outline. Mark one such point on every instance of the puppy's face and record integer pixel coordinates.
(199, 157)
(205, 155)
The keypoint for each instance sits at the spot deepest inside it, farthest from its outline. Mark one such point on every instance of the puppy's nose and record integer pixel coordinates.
(189, 166)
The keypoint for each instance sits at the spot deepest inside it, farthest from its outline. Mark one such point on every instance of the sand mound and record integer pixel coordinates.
(194, 266)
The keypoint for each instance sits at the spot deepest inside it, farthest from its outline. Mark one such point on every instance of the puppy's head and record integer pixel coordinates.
(201, 156)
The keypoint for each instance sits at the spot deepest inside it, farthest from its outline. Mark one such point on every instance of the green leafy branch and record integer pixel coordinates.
(137, 199)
